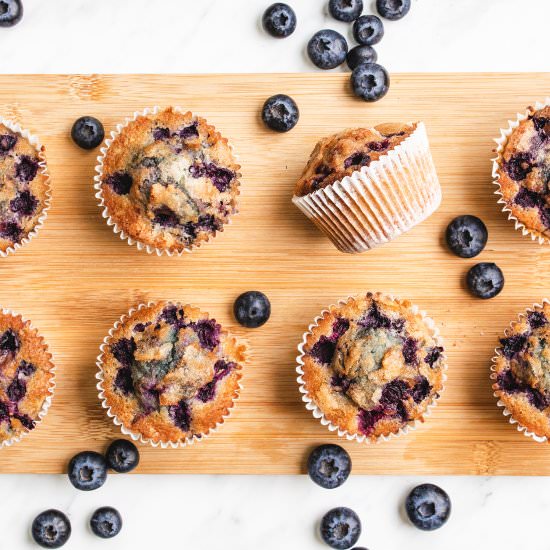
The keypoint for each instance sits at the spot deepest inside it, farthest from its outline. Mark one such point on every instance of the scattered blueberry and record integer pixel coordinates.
(51, 529)
(280, 113)
(87, 132)
(279, 20)
(466, 236)
(122, 456)
(428, 507)
(327, 49)
(368, 30)
(87, 470)
(329, 466)
(361, 54)
(485, 280)
(11, 12)
(106, 522)
(345, 10)
(252, 309)
(370, 81)
(340, 528)
(393, 9)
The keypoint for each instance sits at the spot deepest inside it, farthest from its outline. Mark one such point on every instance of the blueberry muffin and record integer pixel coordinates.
(169, 373)
(521, 370)
(24, 188)
(372, 366)
(26, 377)
(169, 180)
(523, 172)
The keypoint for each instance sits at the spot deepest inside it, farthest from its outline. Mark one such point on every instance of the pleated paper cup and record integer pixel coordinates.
(379, 202)
(35, 142)
(114, 225)
(317, 411)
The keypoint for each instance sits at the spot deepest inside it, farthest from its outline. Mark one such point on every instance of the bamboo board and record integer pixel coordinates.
(77, 277)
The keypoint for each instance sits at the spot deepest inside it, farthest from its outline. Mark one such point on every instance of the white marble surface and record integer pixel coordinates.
(247, 513)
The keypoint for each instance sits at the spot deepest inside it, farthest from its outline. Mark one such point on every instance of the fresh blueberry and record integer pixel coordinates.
(87, 470)
(393, 9)
(87, 132)
(280, 113)
(485, 280)
(361, 54)
(11, 12)
(122, 456)
(370, 81)
(466, 236)
(428, 507)
(345, 10)
(106, 522)
(279, 20)
(340, 528)
(368, 30)
(252, 309)
(327, 49)
(329, 466)
(51, 529)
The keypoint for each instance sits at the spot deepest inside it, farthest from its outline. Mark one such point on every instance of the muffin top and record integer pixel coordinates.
(372, 365)
(341, 154)
(522, 370)
(25, 376)
(524, 172)
(23, 187)
(170, 373)
(170, 180)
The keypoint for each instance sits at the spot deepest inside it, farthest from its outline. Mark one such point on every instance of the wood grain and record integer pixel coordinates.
(77, 278)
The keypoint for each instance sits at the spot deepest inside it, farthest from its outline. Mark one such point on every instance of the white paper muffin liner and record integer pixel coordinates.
(105, 212)
(505, 411)
(35, 142)
(136, 436)
(501, 144)
(48, 401)
(318, 413)
(379, 202)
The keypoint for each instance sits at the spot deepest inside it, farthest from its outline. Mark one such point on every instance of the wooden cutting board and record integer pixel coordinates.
(77, 277)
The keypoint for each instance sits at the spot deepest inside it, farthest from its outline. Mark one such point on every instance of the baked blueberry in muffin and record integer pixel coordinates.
(170, 373)
(372, 365)
(26, 377)
(169, 180)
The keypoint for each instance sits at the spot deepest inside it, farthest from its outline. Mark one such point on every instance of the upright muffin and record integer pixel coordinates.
(371, 367)
(26, 377)
(169, 374)
(363, 187)
(168, 180)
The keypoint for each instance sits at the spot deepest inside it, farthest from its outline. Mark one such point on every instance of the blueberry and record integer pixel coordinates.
(327, 49)
(122, 456)
(51, 529)
(329, 466)
(11, 12)
(280, 113)
(345, 10)
(428, 507)
(87, 132)
(393, 9)
(106, 522)
(368, 30)
(87, 470)
(485, 280)
(340, 528)
(370, 81)
(252, 309)
(279, 20)
(466, 236)
(361, 54)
